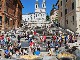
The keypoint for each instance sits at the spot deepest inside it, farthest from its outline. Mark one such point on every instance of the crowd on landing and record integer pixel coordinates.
(57, 40)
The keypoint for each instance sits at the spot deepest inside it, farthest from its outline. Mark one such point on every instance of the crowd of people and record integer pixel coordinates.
(9, 46)
(57, 40)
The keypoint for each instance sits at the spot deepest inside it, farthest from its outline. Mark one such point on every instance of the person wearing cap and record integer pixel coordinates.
(7, 53)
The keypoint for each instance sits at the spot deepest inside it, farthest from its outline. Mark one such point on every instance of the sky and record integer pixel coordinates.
(29, 5)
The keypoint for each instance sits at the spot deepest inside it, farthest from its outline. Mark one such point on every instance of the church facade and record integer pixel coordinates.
(37, 18)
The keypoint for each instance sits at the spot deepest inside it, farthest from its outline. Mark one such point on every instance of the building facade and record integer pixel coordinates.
(69, 14)
(39, 17)
(54, 15)
(10, 14)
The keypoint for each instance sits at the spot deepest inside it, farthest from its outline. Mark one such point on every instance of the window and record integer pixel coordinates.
(72, 5)
(6, 19)
(61, 3)
(36, 6)
(58, 6)
(8, 22)
(65, 11)
(73, 19)
(25, 19)
(61, 14)
(13, 22)
(36, 15)
(28, 18)
(18, 22)
(14, 11)
(43, 5)
(41, 14)
(67, 21)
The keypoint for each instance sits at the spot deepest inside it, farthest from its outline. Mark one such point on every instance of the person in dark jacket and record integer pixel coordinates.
(19, 38)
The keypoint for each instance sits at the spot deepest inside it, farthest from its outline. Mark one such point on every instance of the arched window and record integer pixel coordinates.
(41, 14)
(34, 17)
(28, 18)
(25, 19)
(43, 5)
(36, 6)
(13, 22)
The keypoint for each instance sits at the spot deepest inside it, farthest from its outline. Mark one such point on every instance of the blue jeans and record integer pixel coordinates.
(57, 52)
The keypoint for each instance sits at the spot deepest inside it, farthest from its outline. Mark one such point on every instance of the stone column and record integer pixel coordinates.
(16, 22)
(3, 22)
(3, 14)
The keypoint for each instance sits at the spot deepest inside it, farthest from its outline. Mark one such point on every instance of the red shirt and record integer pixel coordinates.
(44, 37)
(54, 37)
(31, 43)
(8, 38)
(34, 33)
(0, 38)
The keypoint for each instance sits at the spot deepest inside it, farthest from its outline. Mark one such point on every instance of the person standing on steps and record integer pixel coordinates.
(18, 38)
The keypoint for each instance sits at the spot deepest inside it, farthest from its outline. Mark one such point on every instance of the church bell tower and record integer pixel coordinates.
(36, 5)
(44, 4)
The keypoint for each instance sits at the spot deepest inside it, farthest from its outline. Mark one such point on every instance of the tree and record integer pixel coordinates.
(47, 18)
(53, 6)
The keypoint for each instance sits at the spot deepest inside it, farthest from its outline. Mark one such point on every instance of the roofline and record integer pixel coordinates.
(28, 14)
(20, 3)
(57, 2)
(24, 14)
